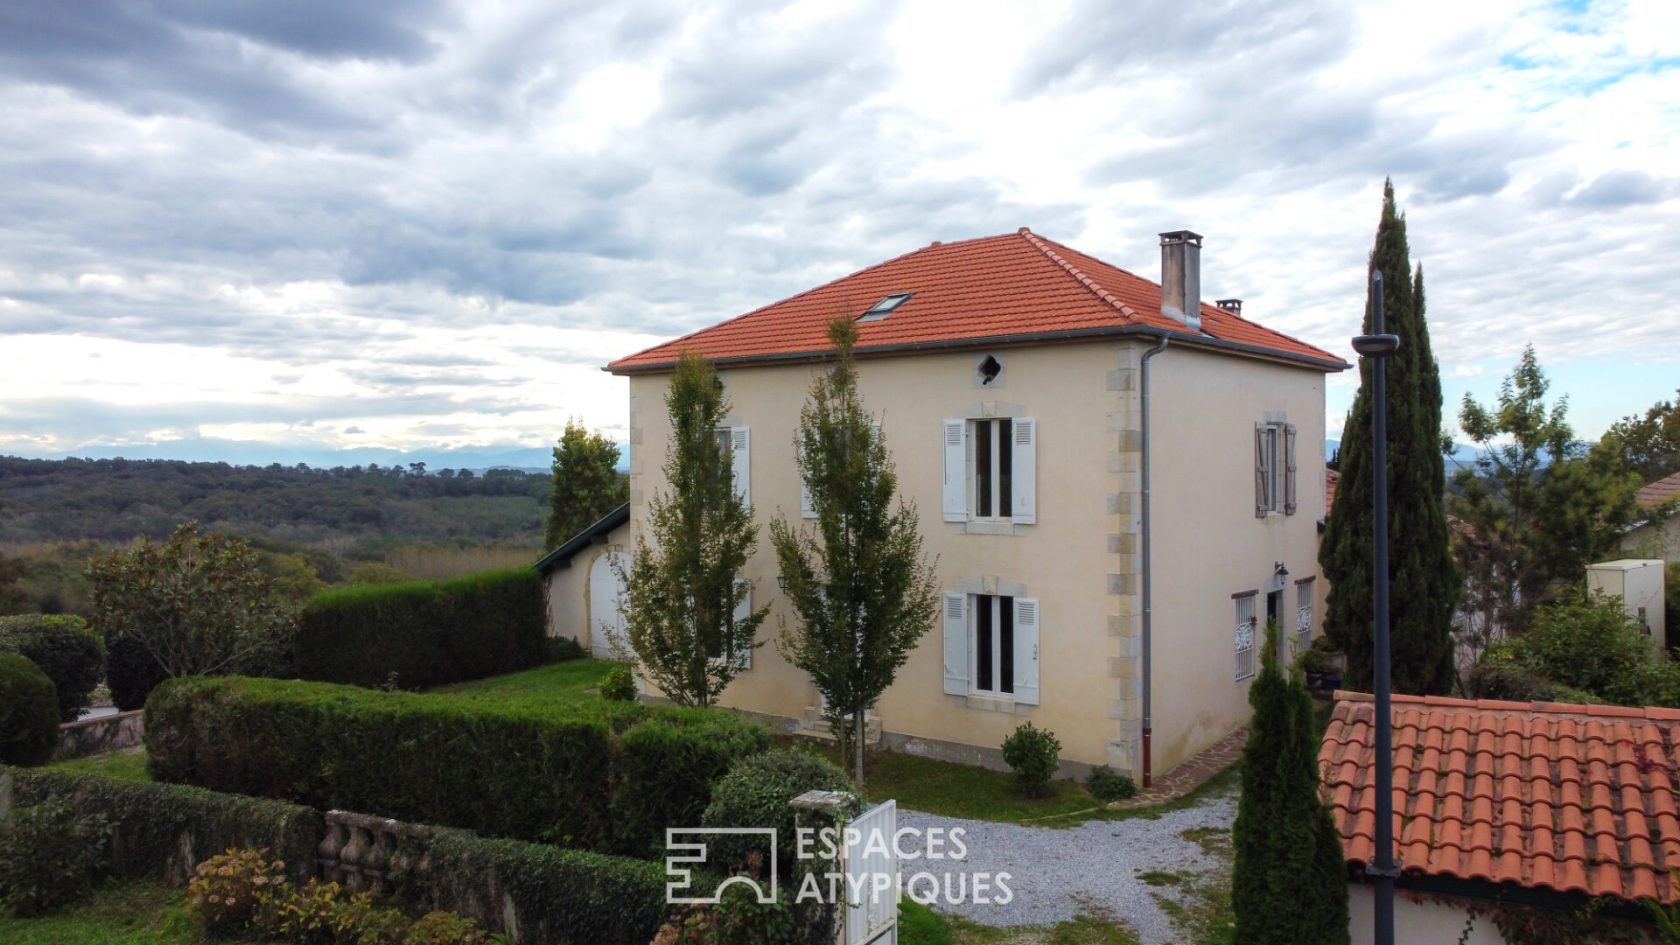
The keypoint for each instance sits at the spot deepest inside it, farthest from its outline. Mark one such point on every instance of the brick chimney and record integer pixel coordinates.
(1181, 278)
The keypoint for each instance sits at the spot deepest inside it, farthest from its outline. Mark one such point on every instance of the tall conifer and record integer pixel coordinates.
(1424, 579)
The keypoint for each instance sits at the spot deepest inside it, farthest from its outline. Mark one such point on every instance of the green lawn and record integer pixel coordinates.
(539, 690)
(126, 765)
(124, 914)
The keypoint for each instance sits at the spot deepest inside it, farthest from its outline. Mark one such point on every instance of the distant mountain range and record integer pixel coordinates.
(1463, 456)
(240, 453)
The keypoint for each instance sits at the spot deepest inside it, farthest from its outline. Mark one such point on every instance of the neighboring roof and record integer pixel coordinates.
(1018, 288)
(562, 556)
(1663, 490)
(1332, 479)
(1539, 795)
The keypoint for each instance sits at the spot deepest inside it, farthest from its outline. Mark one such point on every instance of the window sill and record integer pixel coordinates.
(988, 702)
(990, 526)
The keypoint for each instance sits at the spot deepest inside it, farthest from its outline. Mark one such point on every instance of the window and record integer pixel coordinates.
(1303, 613)
(880, 310)
(1244, 635)
(991, 646)
(991, 470)
(1274, 468)
(737, 441)
(716, 650)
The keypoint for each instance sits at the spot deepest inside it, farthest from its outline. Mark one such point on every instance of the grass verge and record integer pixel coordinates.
(537, 691)
(129, 764)
(123, 914)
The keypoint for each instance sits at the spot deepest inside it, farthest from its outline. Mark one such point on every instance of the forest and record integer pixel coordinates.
(314, 526)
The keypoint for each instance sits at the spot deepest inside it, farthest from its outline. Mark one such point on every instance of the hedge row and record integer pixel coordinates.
(71, 655)
(565, 897)
(553, 896)
(604, 776)
(164, 830)
(424, 633)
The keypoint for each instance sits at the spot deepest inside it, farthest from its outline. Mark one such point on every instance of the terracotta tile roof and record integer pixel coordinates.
(1332, 479)
(1543, 795)
(1663, 490)
(1016, 286)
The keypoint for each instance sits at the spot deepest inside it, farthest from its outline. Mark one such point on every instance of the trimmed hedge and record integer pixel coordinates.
(562, 777)
(164, 830)
(424, 633)
(565, 897)
(28, 712)
(71, 655)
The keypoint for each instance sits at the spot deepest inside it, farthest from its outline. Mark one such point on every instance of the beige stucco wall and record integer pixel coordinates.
(570, 603)
(1208, 544)
(1432, 920)
(1079, 559)
(1655, 540)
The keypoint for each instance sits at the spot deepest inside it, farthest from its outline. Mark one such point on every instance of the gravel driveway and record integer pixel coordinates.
(1056, 874)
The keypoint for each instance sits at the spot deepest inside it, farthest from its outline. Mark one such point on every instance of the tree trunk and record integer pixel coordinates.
(857, 728)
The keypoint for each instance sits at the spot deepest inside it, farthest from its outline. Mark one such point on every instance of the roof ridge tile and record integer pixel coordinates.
(1038, 243)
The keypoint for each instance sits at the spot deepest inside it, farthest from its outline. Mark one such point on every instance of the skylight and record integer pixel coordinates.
(880, 310)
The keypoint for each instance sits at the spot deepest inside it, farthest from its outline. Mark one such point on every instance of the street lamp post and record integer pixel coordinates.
(1377, 346)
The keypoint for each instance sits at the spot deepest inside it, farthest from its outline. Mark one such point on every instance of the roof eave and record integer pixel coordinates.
(563, 555)
(1330, 365)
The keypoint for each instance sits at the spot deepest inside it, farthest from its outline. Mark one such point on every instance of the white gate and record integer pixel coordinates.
(606, 619)
(872, 877)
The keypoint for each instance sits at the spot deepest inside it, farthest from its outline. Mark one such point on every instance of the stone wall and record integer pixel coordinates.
(97, 736)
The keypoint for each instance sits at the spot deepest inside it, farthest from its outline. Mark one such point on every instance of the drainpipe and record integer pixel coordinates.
(1148, 718)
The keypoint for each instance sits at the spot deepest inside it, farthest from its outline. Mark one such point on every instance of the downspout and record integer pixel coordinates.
(1143, 567)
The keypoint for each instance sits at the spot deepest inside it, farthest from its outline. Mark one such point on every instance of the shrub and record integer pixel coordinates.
(222, 897)
(619, 685)
(1035, 754)
(28, 712)
(665, 770)
(49, 855)
(756, 793)
(164, 830)
(439, 759)
(1107, 784)
(561, 649)
(71, 655)
(131, 672)
(1495, 676)
(424, 633)
(568, 897)
(443, 928)
(1580, 650)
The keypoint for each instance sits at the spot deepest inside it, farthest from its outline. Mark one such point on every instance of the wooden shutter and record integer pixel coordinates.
(743, 612)
(1260, 497)
(956, 644)
(1289, 469)
(740, 445)
(1026, 650)
(1023, 487)
(956, 471)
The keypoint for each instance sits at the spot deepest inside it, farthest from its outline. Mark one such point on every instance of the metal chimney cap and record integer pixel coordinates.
(1181, 236)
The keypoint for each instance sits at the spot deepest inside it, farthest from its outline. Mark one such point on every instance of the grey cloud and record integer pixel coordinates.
(1623, 188)
(325, 28)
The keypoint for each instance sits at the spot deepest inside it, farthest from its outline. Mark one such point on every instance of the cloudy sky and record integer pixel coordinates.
(422, 225)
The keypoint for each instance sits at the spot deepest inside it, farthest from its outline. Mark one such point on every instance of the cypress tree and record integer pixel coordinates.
(1289, 882)
(1424, 579)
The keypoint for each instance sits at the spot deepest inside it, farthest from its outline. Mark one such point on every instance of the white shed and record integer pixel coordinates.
(583, 589)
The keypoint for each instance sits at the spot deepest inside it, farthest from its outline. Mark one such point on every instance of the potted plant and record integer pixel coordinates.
(1313, 663)
(1323, 658)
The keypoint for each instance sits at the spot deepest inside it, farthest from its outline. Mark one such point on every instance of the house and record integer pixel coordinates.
(582, 587)
(1105, 472)
(1503, 808)
(1659, 535)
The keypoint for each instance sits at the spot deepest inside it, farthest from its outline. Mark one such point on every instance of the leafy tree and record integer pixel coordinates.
(1424, 581)
(1650, 445)
(1592, 645)
(1289, 881)
(862, 592)
(586, 483)
(198, 603)
(1537, 507)
(681, 594)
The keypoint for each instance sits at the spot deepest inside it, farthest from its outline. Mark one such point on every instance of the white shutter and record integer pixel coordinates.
(956, 644)
(739, 442)
(1026, 650)
(1260, 485)
(1023, 488)
(1289, 469)
(956, 471)
(743, 611)
(806, 509)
